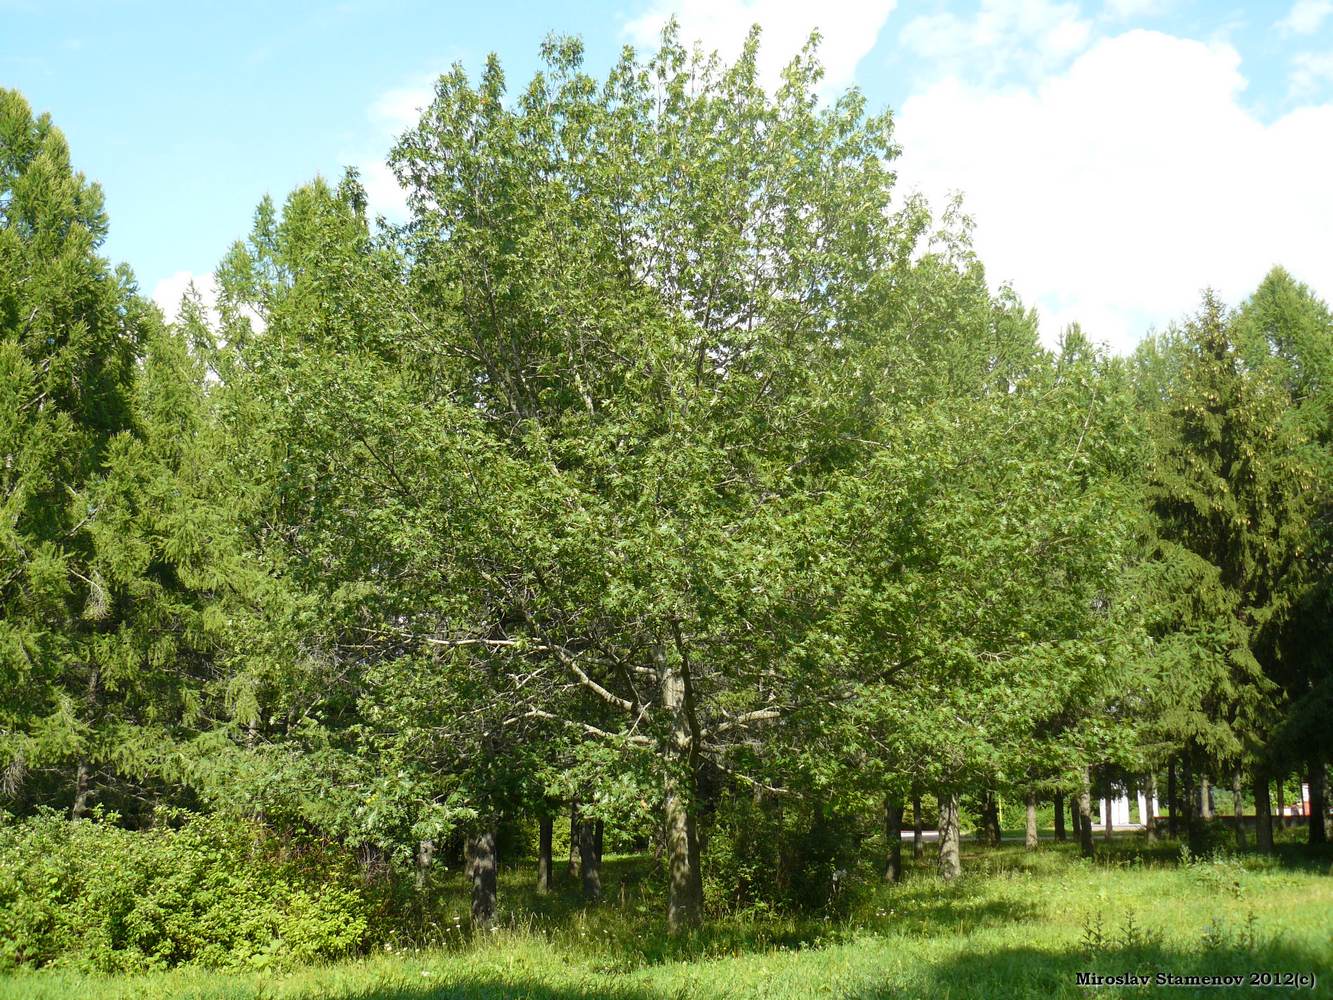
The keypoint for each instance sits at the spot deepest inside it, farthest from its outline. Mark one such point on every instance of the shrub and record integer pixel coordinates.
(794, 856)
(214, 891)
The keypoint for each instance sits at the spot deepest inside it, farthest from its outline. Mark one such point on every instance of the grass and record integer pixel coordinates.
(1018, 924)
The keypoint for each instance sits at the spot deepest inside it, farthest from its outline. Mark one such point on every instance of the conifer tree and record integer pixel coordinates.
(101, 541)
(1229, 488)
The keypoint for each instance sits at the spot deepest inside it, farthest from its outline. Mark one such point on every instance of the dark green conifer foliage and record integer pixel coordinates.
(1287, 332)
(101, 541)
(1230, 488)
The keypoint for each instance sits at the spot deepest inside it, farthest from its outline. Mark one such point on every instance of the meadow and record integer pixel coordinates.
(1017, 924)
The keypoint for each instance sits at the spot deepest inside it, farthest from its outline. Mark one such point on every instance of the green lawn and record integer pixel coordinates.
(1018, 925)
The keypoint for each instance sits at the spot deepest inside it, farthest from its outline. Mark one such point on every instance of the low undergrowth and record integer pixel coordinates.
(1018, 924)
(203, 890)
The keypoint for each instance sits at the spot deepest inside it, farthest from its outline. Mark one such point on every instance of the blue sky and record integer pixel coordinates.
(1117, 155)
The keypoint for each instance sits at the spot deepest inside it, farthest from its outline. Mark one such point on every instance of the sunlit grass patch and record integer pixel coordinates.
(1019, 924)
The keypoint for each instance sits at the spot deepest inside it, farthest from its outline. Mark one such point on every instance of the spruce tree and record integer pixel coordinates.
(1229, 490)
(98, 536)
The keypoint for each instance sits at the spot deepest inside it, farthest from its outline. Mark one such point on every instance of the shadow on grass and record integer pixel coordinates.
(479, 986)
(1033, 972)
(507, 989)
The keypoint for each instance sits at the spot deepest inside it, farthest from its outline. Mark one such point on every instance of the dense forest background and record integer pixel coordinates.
(667, 483)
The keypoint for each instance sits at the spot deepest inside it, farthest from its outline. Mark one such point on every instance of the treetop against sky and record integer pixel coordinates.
(1117, 155)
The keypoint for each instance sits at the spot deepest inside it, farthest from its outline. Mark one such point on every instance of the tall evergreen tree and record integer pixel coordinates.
(103, 573)
(1285, 331)
(1229, 487)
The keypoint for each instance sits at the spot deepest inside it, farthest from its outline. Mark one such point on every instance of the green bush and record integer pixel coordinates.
(213, 891)
(790, 857)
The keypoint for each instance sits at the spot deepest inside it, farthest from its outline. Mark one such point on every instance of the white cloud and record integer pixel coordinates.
(1002, 38)
(1306, 17)
(1120, 10)
(400, 108)
(169, 291)
(1309, 72)
(848, 29)
(389, 115)
(1113, 191)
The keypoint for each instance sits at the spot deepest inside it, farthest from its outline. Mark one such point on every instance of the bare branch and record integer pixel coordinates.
(537, 713)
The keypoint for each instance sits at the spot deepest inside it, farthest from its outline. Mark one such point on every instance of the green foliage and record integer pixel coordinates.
(788, 856)
(666, 462)
(209, 891)
(1235, 489)
(1015, 929)
(113, 547)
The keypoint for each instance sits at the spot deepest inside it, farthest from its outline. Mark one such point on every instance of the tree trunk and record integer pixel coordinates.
(1318, 803)
(1149, 816)
(917, 838)
(544, 837)
(951, 865)
(1030, 837)
(1263, 813)
(482, 870)
(990, 819)
(589, 862)
(1059, 803)
(425, 858)
(597, 837)
(685, 883)
(574, 840)
(893, 839)
(1193, 829)
(1237, 806)
(1075, 819)
(1106, 819)
(1205, 798)
(1172, 800)
(1085, 816)
(81, 791)
(1281, 800)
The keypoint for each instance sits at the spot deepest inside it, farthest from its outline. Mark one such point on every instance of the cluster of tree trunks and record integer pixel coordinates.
(1186, 803)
